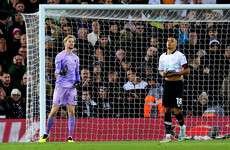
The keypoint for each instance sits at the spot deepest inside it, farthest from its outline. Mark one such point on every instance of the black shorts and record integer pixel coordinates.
(173, 93)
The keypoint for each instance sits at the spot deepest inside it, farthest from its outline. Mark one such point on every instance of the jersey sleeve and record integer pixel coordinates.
(183, 61)
(58, 63)
(77, 71)
(160, 67)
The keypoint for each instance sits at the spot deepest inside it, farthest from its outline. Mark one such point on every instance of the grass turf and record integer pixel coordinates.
(122, 145)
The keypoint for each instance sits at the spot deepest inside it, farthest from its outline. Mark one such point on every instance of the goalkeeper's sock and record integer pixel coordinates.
(71, 125)
(180, 119)
(168, 123)
(49, 125)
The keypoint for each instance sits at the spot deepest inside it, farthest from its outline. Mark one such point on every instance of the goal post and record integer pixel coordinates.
(96, 12)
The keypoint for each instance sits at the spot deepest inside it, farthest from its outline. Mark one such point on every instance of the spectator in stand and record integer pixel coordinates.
(154, 42)
(1, 71)
(135, 94)
(52, 1)
(167, 30)
(218, 14)
(50, 47)
(214, 111)
(15, 41)
(191, 47)
(69, 2)
(94, 35)
(85, 78)
(107, 49)
(4, 17)
(98, 73)
(86, 81)
(17, 22)
(124, 66)
(212, 64)
(50, 75)
(125, 2)
(103, 42)
(85, 49)
(11, 6)
(225, 88)
(23, 86)
(23, 52)
(55, 31)
(32, 6)
(199, 105)
(99, 55)
(4, 106)
(84, 23)
(67, 30)
(150, 59)
(20, 6)
(108, 2)
(192, 14)
(183, 13)
(85, 2)
(5, 58)
(120, 54)
(201, 53)
(64, 21)
(154, 96)
(148, 71)
(114, 33)
(18, 106)
(6, 83)
(207, 1)
(193, 82)
(105, 103)
(23, 40)
(86, 107)
(17, 70)
(99, 1)
(139, 42)
(183, 32)
(212, 36)
(117, 94)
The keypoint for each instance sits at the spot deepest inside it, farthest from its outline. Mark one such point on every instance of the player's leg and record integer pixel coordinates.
(167, 102)
(180, 119)
(71, 112)
(179, 92)
(50, 122)
(71, 102)
(168, 125)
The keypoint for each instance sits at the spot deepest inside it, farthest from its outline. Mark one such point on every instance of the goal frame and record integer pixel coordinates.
(44, 7)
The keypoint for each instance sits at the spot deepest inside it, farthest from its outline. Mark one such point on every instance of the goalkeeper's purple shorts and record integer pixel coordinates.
(63, 96)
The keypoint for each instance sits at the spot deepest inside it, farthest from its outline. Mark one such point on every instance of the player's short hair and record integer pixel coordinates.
(69, 37)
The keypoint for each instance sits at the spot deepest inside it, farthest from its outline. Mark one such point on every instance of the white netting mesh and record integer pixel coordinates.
(134, 39)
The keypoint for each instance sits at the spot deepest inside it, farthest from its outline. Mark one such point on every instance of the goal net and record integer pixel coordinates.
(121, 93)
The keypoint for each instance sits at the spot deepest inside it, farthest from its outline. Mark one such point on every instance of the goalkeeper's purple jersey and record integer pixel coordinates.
(72, 62)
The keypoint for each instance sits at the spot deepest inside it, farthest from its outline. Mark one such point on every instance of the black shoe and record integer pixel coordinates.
(70, 139)
(44, 138)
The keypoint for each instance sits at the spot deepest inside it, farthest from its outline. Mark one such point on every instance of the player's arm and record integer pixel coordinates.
(58, 66)
(78, 79)
(183, 72)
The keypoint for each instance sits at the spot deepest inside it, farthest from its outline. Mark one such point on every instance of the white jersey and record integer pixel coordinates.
(130, 86)
(173, 62)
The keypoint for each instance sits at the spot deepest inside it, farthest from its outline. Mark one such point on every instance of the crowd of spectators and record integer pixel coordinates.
(119, 59)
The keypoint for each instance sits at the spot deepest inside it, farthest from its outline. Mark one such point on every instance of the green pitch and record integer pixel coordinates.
(123, 145)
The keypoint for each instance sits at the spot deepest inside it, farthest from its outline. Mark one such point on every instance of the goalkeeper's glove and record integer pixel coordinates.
(77, 85)
(64, 71)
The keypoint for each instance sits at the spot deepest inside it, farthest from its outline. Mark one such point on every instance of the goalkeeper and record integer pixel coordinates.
(65, 93)
(173, 65)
